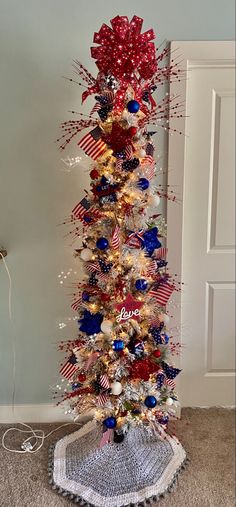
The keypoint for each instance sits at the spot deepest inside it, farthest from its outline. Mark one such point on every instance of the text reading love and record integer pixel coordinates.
(128, 309)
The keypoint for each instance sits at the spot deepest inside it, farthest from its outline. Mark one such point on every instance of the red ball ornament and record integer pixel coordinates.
(157, 353)
(94, 174)
(132, 131)
(81, 377)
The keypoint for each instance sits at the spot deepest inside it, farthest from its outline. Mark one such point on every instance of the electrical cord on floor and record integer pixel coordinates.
(38, 435)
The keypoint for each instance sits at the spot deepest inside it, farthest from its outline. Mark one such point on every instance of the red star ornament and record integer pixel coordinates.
(128, 309)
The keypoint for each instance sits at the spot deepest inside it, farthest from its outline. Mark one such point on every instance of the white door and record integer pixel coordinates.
(201, 235)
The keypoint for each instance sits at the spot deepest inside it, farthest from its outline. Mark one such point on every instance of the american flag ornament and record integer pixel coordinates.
(162, 293)
(92, 144)
(70, 367)
(115, 238)
(104, 381)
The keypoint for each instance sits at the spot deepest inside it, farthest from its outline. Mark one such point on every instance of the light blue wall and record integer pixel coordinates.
(38, 40)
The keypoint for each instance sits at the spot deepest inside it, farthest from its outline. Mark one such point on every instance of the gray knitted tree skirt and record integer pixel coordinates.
(137, 471)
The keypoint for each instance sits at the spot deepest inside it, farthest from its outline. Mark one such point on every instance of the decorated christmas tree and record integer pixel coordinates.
(121, 364)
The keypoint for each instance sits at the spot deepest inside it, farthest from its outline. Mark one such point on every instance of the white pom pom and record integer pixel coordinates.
(154, 200)
(86, 254)
(107, 326)
(116, 388)
(164, 318)
(169, 402)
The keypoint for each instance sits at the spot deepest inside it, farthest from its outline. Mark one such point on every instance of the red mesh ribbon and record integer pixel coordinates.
(123, 49)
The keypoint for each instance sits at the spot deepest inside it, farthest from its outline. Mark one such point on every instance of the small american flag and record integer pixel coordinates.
(102, 276)
(104, 381)
(152, 267)
(155, 322)
(92, 144)
(115, 238)
(96, 108)
(150, 149)
(85, 213)
(102, 399)
(170, 383)
(162, 293)
(161, 253)
(92, 267)
(69, 368)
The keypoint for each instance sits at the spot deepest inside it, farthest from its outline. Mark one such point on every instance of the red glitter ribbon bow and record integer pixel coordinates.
(123, 49)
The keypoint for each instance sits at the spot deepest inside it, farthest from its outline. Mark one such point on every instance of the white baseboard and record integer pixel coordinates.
(42, 413)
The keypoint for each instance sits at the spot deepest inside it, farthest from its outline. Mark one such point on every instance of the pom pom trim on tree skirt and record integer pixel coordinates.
(138, 471)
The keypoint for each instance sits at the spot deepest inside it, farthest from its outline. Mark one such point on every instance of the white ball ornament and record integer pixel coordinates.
(86, 254)
(116, 388)
(164, 318)
(169, 402)
(106, 326)
(154, 200)
(142, 152)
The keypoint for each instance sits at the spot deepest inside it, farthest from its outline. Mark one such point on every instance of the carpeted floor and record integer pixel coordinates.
(207, 435)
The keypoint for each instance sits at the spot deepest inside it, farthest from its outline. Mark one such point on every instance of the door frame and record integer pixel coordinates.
(192, 54)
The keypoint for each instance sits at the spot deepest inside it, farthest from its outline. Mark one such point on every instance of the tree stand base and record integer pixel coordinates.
(137, 471)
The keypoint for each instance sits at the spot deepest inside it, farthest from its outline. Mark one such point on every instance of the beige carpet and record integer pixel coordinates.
(207, 435)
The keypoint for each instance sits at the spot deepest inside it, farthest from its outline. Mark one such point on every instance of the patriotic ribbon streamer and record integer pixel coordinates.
(106, 437)
(135, 239)
(104, 381)
(91, 360)
(115, 239)
(102, 399)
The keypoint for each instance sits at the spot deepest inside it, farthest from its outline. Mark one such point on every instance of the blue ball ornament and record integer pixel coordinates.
(141, 284)
(133, 106)
(85, 296)
(150, 401)
(102, 243)
(118, 345)
(143, 183)
(110, 422)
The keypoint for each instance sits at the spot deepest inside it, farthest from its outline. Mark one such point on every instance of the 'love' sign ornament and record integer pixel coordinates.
(128, 309)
